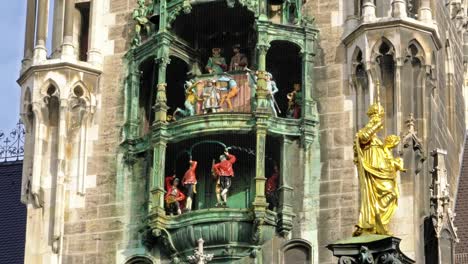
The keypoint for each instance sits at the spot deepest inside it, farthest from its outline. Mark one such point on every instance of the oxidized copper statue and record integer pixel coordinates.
(377, 170)
(140, 15)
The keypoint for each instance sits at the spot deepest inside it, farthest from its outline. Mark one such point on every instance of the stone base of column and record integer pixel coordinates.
(399, 9)
(425, 14)
(368, 12)
(40, 54)
(369, 249)
(95, 57)
(68, 52)
(25, 64)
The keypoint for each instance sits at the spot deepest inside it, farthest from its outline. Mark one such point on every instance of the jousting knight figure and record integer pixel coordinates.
(190, 181)
(225, 172)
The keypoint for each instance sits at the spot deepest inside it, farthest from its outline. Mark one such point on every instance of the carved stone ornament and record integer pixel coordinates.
(369, 249)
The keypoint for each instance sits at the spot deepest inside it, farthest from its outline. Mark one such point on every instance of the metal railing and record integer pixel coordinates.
(12, 144)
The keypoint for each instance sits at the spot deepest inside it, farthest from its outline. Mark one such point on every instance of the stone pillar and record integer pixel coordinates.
(425, 12)
(368, 11)
(60, 180)
(160, 106)
(399, 9)
(68, 50)
(40, 51)
(40, 113)
(95, 33)
(134, 94)
(29, 35)
(57, 35)
(351, 14)
(285, 209)
(260, 179)
(157, 181)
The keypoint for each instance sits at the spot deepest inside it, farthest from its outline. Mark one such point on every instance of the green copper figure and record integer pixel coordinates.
(140, 15)
(216, 64)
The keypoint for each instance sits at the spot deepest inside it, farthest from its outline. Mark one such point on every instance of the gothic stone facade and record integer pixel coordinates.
(92, 190)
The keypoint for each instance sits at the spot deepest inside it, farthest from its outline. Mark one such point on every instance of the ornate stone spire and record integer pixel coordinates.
(199, 257)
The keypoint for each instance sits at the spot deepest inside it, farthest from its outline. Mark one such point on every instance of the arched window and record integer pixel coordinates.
(360, 83)
(412, 86)
(384, 57)
(139, 260)
(296, 251)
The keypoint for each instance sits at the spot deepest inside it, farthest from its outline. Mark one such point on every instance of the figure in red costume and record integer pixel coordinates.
(271, 187)
(190, 181)
(225, 172)
(173, 197)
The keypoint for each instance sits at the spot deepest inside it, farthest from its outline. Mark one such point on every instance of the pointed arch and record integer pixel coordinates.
(46, 86)
(383, 69)
(360, 85)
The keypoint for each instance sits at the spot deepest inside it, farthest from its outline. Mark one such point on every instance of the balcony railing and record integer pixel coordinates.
(12, 144)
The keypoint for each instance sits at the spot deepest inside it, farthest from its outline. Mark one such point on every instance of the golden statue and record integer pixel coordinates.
(377, 170)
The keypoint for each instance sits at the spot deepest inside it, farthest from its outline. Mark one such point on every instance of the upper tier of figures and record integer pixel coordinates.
(231, 88)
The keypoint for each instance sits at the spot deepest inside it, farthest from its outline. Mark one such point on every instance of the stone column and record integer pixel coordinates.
(425, 12)
(30, 28)
(95, 33)
(134, 94)
(40, 113)
(351, 14)
(160, 106)
(260, 179)
(57, 35)
(157, 181)
(60, 180)
(40, 51)
(399, 9)
(68, 50)
(368, 11)
(285, 209)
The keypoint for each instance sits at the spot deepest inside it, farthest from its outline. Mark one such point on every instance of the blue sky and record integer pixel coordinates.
(12, 23)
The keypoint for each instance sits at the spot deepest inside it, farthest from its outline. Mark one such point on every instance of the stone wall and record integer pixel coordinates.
(94, 233)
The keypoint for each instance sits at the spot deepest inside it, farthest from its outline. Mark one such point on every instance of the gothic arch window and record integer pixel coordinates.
(360, 84)
(139, 260)
(385, 72)
(449, 85)
(296, 251)
(413, 75)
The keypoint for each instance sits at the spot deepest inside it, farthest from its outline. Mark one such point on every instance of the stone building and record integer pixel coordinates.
(102, 130)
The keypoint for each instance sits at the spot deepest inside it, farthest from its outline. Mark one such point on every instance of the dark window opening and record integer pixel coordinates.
(83, 35)
(147, 96)
(285, 64)
(214, 25)
(176, 75)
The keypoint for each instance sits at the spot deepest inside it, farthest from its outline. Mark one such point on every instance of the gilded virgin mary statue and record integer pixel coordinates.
(377, 170)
